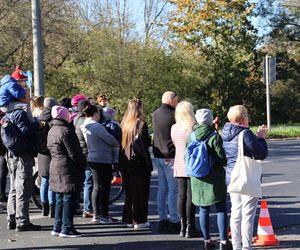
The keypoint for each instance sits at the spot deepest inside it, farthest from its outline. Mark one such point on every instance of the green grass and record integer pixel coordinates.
(281, 131)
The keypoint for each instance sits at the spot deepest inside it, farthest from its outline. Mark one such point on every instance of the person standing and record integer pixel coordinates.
(44, 159)
(66, 168)
(88, 178)
(20, 166)
(185, 120)
(164, 153)
(211, 189)
(100, 157)
(136, 168)
(102, 101)
(243, 207)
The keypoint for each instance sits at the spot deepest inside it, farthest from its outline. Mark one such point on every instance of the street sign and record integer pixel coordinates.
(269, 69)
(29, 80)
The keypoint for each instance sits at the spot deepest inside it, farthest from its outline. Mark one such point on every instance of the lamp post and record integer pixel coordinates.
(37, 49)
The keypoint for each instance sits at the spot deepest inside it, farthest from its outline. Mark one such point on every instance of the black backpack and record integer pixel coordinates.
(11, 136)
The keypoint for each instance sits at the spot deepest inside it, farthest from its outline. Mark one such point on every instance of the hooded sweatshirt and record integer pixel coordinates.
(100, 143)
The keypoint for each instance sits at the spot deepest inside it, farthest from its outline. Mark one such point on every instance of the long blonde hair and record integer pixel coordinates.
(184, 115)
(134, 112)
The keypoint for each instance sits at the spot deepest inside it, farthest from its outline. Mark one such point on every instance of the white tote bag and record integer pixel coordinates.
(246, 173)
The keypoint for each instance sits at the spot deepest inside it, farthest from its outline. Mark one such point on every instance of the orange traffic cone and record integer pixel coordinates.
(265, 234)
(117, 180)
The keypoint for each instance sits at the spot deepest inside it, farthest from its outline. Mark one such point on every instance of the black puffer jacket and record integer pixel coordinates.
(44, 156)
(67, 162)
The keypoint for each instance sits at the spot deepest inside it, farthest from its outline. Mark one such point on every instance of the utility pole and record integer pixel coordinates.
(38, 63)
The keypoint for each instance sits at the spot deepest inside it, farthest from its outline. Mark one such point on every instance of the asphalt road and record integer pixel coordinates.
(281, 179)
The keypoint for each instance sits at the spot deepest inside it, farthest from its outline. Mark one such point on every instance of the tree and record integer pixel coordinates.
(223, 39)
(283, 41)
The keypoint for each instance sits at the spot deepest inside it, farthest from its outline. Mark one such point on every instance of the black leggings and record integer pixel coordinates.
(102, 175)
(3, 175)
(185, 206)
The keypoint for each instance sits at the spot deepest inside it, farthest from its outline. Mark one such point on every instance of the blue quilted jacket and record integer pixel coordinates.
(253, 147)
(10, 91)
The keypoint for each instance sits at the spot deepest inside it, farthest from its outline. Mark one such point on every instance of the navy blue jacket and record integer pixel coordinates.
(26, 128)
(253, 147)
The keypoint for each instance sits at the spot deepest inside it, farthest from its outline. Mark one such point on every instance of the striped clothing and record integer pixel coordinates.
(179, 137)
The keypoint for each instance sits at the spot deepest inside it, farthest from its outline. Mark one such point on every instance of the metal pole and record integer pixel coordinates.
(37, 49)
(268, 92)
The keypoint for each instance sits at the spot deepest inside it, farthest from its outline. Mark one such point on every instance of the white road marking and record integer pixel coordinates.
(275, 183)
(292, 158)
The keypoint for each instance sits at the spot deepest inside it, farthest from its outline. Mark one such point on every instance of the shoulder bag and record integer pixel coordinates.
(246, 173)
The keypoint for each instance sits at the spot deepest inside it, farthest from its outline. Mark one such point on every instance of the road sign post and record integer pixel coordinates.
(269, 73)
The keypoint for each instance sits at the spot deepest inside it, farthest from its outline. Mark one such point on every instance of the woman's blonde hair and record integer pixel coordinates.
(184, 115)
(134, 112)
(237, 113)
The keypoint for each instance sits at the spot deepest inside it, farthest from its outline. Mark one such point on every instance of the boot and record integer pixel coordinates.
(52, 211)
(191, 230)
(182, 227)
(45, 208)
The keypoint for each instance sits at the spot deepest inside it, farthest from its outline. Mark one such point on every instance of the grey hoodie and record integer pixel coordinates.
(100, 143)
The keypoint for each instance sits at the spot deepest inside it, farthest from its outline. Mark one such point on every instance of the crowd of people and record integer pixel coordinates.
(77, 142)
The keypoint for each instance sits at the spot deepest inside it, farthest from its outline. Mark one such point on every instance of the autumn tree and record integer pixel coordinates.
(221, 35)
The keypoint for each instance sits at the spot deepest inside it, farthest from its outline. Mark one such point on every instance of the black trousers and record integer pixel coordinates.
(102, 175)
(136, 181)
(3, 176)
(185, 206)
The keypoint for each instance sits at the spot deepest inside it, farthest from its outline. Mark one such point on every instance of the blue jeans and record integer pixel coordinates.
(87, 190)
(167, 190)
(64, 212)
(221, 220)
(46, 194)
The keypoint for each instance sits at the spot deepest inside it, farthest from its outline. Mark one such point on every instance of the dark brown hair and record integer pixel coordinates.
(90, 110)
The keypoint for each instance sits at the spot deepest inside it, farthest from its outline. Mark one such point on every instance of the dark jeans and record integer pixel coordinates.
(221, 220)
(185, 206)
(136, 180)
(3, 175)
(64, 212)
(102, 175)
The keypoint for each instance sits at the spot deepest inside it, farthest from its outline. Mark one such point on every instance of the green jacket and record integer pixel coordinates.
(210, 189)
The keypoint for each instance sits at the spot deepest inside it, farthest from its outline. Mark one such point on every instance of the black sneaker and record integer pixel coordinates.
(71, 234)
(227, 246)
(163, 225)
(174, 228)
(11, 225)
(208, 245)
(28, 227)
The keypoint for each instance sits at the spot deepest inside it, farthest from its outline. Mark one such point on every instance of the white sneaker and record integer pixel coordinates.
(142, 225)
(129, 225)
(96, 220)
(55, 233)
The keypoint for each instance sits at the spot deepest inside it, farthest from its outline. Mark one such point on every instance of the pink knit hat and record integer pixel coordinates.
(60, 112)
(77, 98)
